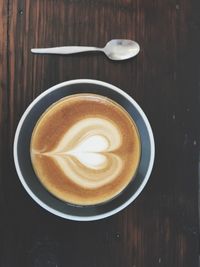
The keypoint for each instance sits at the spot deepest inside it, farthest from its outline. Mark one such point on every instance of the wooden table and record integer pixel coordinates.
(161, 227)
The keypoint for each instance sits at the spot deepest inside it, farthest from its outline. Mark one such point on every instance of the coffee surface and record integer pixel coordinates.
(85, 149)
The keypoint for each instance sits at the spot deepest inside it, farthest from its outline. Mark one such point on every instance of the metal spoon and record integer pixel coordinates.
(118, 49)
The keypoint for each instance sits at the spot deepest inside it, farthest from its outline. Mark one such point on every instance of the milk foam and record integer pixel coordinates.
(88, 151)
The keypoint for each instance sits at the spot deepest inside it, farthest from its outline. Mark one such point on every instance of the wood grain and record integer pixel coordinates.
(161, 227)
(3, 115)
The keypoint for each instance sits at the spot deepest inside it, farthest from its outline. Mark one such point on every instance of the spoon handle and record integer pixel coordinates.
(64, 50)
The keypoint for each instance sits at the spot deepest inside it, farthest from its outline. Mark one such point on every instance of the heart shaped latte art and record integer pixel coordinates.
(87, 152)
(85, 149)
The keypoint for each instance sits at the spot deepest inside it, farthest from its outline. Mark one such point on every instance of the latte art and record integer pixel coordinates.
(80, 151)
(92, 143)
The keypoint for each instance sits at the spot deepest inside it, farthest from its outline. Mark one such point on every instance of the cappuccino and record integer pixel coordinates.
(85, 149)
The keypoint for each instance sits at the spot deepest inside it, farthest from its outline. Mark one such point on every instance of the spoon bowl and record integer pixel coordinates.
(121, 49)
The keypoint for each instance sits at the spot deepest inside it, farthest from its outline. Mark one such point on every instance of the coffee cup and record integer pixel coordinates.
(77, 198)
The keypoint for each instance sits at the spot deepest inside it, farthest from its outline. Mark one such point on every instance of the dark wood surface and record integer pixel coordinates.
(161, 227)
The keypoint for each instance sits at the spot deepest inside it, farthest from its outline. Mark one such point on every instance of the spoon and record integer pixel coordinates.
(118, 49)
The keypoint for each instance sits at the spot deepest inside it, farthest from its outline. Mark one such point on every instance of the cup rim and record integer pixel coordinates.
(75, 217)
